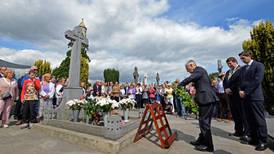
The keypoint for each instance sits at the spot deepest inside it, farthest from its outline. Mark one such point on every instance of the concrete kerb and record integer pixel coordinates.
(91, 141)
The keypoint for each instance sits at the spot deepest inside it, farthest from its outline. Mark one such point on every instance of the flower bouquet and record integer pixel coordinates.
(91, 111)
(127, 103)
(76, 105)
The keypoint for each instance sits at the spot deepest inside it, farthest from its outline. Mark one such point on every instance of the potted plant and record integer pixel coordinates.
(75, 105)
(90, 109)
(126, 104)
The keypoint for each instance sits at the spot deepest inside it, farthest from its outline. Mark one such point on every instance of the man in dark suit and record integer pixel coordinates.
(251, 92)
(206, 98)
(231, 85)
(97, 89)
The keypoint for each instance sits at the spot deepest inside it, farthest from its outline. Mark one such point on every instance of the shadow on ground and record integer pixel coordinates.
(185, 137)
(221, 133)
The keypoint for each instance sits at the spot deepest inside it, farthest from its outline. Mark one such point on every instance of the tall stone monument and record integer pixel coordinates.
(220, 66)
(145, 79)
(158, 78)
(78, 39)
(136, 75)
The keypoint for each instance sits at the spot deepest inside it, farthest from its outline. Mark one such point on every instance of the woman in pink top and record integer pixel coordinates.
(8, 93)
(152, 93)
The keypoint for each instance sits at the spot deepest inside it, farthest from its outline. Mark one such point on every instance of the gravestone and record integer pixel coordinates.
(78, 39)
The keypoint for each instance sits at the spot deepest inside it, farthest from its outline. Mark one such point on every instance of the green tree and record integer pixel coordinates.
(213, 75)
(111, 75)
(63, 69)
(262, 46)
(43, 67)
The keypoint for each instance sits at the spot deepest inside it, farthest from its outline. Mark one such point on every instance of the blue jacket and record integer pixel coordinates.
(251, 81)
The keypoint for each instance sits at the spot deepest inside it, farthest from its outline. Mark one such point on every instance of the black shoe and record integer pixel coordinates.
(204, 148)
(261, 147)
(245, 139)
(195, 143)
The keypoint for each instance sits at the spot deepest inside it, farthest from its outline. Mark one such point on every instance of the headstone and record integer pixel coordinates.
(136, 75)
(78, 39)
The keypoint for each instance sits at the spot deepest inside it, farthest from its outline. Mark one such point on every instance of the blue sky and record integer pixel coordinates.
(219, 12)
(154, 35)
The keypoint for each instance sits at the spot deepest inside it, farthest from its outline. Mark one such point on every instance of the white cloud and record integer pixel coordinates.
(122, 34)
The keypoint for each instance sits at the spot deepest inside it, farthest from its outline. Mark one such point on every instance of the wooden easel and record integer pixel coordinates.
(154, 113)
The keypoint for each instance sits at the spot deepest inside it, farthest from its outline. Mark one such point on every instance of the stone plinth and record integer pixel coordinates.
(91, 141)
(63, 112)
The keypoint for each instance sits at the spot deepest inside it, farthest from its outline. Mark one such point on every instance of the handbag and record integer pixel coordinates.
(6, 96)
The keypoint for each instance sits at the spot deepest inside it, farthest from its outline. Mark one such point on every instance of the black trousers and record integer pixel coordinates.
(205, 115)
(257, 128)
(139, 100)
(29, 113)
(224, 110)
(237, 111)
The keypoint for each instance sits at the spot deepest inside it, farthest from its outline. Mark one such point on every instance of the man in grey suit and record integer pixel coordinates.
(206, 99)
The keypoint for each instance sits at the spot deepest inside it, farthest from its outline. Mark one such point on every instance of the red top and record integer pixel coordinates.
(151, 92)
(30, 90)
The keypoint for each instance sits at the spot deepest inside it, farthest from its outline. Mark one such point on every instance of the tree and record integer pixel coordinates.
(262, 46)
(43, 67)
(63, 69)
(213, 75)
(111, 75)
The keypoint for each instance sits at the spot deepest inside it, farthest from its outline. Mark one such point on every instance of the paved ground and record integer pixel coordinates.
(16, 141)
(270, 125)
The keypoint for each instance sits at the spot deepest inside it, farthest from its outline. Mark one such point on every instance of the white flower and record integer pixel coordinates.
(114, 104)
(71, 102)
(102, 101)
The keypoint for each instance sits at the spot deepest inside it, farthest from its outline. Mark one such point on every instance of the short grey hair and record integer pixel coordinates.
(190, 62)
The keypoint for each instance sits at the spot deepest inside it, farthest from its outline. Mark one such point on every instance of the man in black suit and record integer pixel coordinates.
(252, 75)
(206, 98)
(231, 85)
(97, 89)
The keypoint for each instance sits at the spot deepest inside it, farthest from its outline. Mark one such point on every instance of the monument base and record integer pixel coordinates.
(63, 111)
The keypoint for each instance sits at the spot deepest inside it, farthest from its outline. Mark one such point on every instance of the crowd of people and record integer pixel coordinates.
(164, 94)
(236, 94)
(29, 96)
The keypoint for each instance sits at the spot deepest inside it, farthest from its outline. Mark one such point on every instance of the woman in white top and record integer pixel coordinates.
(46, 96)
(59, 91)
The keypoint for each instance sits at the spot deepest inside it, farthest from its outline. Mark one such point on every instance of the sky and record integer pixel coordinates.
(154, 35)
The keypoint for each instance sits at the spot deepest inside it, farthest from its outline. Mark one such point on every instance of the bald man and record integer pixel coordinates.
(206, 99)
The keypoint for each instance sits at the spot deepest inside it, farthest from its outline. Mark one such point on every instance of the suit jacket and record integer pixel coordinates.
(96, 89)
(204, 92)
(251, 80)
(234, 81)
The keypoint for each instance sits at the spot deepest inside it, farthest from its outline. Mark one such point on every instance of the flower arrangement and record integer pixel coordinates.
(106, 104)
(76, 104)
(90, 108)
(127, 103)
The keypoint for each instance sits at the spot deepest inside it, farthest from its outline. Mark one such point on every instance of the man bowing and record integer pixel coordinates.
(206, 99)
